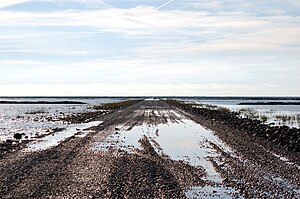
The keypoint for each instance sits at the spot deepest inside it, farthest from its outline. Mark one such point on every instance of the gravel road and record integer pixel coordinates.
(154, 150)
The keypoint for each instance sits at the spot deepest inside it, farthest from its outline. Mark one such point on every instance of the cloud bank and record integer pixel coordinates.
(131, 45)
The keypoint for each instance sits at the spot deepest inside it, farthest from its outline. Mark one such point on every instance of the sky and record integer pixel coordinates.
(149, 48)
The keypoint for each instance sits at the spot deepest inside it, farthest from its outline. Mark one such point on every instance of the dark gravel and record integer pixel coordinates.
(73, 170)
(287, 137)
(254, 170)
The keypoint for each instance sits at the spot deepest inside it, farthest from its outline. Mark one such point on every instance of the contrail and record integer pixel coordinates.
(164, 4)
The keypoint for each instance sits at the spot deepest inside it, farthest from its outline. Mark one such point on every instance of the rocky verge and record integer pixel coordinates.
(287, 137)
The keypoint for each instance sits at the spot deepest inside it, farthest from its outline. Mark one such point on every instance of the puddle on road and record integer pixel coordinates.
(54, 139)
(185, 140)
(211, 192)
(180, 140)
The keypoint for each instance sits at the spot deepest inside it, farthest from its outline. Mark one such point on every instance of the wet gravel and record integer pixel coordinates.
(287, 137)
(259, 168)
(73, 170)
(146, 174)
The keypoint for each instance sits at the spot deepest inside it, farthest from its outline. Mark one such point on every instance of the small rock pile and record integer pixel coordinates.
(8, 145)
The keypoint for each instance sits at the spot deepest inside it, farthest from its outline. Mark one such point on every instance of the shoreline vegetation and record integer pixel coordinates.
(116, 105)
(99, 110)
(280, 118)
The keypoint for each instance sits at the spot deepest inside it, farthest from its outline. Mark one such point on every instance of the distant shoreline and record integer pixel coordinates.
(40, 102)
(269, 103)
(296, 98)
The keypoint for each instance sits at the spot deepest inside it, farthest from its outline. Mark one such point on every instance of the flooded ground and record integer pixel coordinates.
(35, 119)
(54, 139)
(273, 114)
(176, 137)
(150, 149)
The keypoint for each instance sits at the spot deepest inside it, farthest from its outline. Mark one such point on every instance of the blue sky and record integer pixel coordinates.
(140, 47)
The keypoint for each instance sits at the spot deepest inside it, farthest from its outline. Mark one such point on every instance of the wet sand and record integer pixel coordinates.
(153, 150)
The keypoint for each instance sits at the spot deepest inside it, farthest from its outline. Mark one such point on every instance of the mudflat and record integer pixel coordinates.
(152, 149)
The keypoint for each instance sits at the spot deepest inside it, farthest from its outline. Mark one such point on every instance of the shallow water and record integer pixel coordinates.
(186, 141)
(276, 114)
(212, 192)
(32, 119)
(87, 100)
(54, 139)
(181, 139)
(23, 119)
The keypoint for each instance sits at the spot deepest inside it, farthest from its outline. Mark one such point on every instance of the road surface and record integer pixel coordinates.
(153, 150)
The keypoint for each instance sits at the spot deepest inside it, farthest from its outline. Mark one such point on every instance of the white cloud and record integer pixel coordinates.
(136, 21)
(141, 90)
(169, 34)
(19, 62)
(5, 3)
(144, 21)
(15, 51)
(162, 50)
(294, 2)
